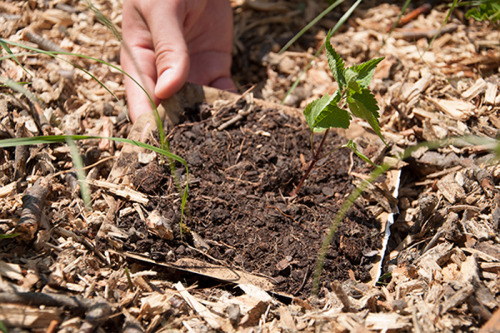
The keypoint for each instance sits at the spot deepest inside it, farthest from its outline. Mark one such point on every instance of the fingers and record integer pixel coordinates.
(154, 52)
(167, 42)
(138, 61)
(172, 57)
(212, 69)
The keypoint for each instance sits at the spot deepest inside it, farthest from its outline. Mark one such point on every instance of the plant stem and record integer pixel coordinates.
(315, 159)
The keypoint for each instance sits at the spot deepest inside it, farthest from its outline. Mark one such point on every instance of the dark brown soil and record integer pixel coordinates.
(239, 183)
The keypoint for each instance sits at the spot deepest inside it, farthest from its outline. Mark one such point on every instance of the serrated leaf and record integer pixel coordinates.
(364, 105)
(335, 62)
(351, 77)
(354, 147)
(332, 116)
(314, 108)
(365, 71)
(324, 113)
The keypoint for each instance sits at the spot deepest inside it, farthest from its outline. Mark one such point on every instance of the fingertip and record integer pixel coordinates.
(224, 83)
(169, 82)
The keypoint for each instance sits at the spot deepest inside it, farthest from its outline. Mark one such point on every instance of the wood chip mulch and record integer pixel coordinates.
(441, 268)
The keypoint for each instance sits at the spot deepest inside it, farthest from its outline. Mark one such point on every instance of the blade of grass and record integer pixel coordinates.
(63, 138)
(4, 236)
(470, 140)
(20, 89)
(9, 51)
(80, 172)
(403, 9)
(55, 54)
(338, 218)
(3, 328)
(452, 8)
(104, 20)
(322, 47)
(36, 140)
(309, 25)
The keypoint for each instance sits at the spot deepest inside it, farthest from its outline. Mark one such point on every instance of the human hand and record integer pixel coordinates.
(169, 42)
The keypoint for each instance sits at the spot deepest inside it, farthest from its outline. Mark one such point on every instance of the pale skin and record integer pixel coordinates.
(169, 42)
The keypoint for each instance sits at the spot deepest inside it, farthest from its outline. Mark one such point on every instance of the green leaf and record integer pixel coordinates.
(365, 71)
(48, 139)
(9, 51)
(336, 63)
(351, 77)
(332, 116)
(3, 236)
(487, 11)
(354, 147)
(364, 105)
(3, 329)
(324, 113)
(313, 109)
(80, 172)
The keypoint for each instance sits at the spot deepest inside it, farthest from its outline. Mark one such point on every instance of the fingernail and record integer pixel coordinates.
(162, 84)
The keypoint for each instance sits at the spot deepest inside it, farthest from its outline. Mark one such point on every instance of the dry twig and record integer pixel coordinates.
(33, 204)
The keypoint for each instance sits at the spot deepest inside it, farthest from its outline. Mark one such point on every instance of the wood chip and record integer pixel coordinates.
(476, 89)
(33, 205)
(13, 315)
(457, 299)
(7, 189)
(120, 190)
(160, 225)
(212, 319)
(450, 188)
(155, 304)
(11, 271)
(387, 321)
(456, 109)
(491, 93)
(493, 324)
(286, 320)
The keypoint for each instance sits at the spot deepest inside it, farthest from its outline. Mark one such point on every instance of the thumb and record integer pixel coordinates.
(171, 52)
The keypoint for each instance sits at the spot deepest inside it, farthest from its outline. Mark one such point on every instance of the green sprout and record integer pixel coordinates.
(328, 111)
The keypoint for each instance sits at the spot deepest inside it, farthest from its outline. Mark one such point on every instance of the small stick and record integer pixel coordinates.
(95, 310)
(33, 203)
(315, 159)
(302, 285)
(411, 16)
(52, 326)
(341, 294)
(414, 14)
(43, 43)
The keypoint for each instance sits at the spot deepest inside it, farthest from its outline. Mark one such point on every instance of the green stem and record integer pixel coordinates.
(315, 159)
(340, 216)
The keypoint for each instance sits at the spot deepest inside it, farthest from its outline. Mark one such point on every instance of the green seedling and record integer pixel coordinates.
(484, 10)
(328, 111)
(340, 22)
